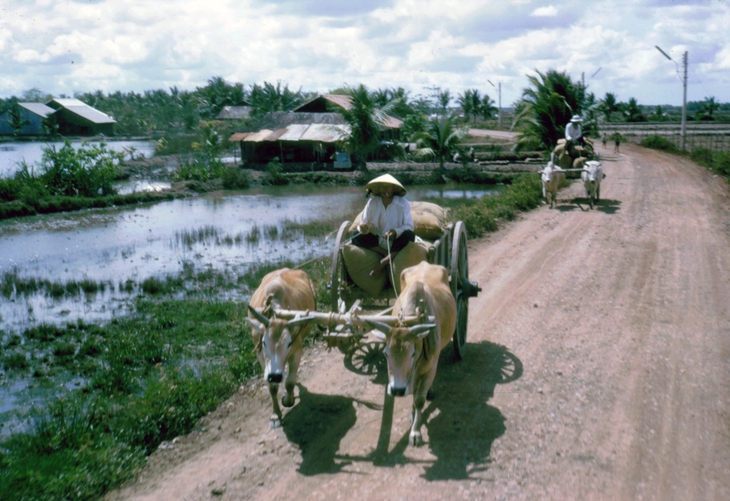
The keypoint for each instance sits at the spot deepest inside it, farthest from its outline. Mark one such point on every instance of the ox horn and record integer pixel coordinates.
(379, 326)
(258, 315)
(421, 329)
(299, 321)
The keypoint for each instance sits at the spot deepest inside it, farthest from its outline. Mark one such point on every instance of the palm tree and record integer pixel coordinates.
(273, 98)
(440, 139)
(466, 101)
(444, 98)
(633, 112)
(708, 106)
(608, 105)
(546, 108)
(487, 108)
(365, 121)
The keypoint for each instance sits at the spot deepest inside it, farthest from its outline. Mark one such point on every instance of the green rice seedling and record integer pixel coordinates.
(127, 286)
(90, 286)
(44, 333)
(15, 362)
(56, 289)
(271, 231)
(253, 235)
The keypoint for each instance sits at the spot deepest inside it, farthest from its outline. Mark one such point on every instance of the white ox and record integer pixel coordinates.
(592, 176)
(552, 176)
(278, 342)
(413, 352)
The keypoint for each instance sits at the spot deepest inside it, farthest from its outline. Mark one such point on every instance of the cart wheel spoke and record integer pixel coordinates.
(366, 359)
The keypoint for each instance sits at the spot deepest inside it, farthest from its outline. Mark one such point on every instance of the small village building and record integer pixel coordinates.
(32, 114)
(235, 113)
(308, 135)
(390, 128)
(300, 140)
(75, 118)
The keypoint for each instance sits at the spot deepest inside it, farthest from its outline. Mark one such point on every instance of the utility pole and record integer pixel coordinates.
(683, 78)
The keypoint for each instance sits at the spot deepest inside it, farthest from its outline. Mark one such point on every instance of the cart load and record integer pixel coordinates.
(438, 241)
(430, 221)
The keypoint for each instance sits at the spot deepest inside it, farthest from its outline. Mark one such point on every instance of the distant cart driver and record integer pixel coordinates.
(386, 224)
(573, 132)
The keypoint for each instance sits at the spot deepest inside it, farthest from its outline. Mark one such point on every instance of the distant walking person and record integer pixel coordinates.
(604, 140)
(616, 142)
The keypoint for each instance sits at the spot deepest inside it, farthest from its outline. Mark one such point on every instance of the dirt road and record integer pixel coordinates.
(598, 367)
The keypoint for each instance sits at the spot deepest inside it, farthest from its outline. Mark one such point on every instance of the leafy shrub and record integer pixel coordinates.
(658, 143)
(702, 156)
(235, 178)
(274, 175)
(88, 171)
(722, 162)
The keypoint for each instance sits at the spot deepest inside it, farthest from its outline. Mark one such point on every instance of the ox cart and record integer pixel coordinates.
(352, 307)
(351, 304)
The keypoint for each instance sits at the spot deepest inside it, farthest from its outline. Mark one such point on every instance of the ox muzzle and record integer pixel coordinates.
(275, 377)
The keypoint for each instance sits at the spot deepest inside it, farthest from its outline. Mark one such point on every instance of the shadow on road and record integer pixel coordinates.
(463, 426)
(317, 424)
(607, 206)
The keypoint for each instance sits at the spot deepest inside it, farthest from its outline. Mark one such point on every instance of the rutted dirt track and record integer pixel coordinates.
(598, 367)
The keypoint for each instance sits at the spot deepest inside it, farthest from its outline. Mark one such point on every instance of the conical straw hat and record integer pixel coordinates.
(373, 186)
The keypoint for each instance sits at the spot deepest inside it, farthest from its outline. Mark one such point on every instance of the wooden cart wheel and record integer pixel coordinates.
(367, 359)
(459, 274)
(338, 266)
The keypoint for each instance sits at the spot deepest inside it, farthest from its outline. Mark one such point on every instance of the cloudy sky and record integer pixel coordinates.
(68, 46)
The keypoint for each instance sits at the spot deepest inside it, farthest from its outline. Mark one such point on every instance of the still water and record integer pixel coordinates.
(12, 154)
(227, 233)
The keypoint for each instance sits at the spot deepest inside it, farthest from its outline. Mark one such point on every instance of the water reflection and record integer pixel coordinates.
(102, 252)
(12, 154)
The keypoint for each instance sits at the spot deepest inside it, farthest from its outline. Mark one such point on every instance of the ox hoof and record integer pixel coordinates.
(275, 421)
(415, 439)
(287, 400)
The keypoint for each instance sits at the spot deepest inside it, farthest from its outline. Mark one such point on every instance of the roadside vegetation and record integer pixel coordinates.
(717, 161)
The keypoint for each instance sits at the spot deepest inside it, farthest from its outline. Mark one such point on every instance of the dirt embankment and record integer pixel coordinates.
(598, 367)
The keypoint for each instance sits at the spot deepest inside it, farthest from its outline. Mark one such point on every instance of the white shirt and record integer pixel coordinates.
(572, 131)
(397, 216)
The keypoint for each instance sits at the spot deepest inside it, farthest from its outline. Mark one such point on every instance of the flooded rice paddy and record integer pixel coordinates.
(89, 265)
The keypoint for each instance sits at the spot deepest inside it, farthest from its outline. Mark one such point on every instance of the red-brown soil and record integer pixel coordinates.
(598, 367)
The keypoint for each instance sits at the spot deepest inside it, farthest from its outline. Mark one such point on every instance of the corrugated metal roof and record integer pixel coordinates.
(325, 133)
(239, 136)
(234, 112)
(84, 110)
(257, 137)
(39, 109)
(294, 131)
(322, 133)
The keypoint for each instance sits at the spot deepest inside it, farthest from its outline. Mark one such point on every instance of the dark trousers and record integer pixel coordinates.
(369, 241)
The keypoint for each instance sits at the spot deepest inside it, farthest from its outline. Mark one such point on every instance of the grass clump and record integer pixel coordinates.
(659, 143)
(717, 161)
(483, 215)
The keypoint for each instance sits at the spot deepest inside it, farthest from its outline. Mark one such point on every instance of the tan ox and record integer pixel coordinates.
(413, 352)
(278, 342)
